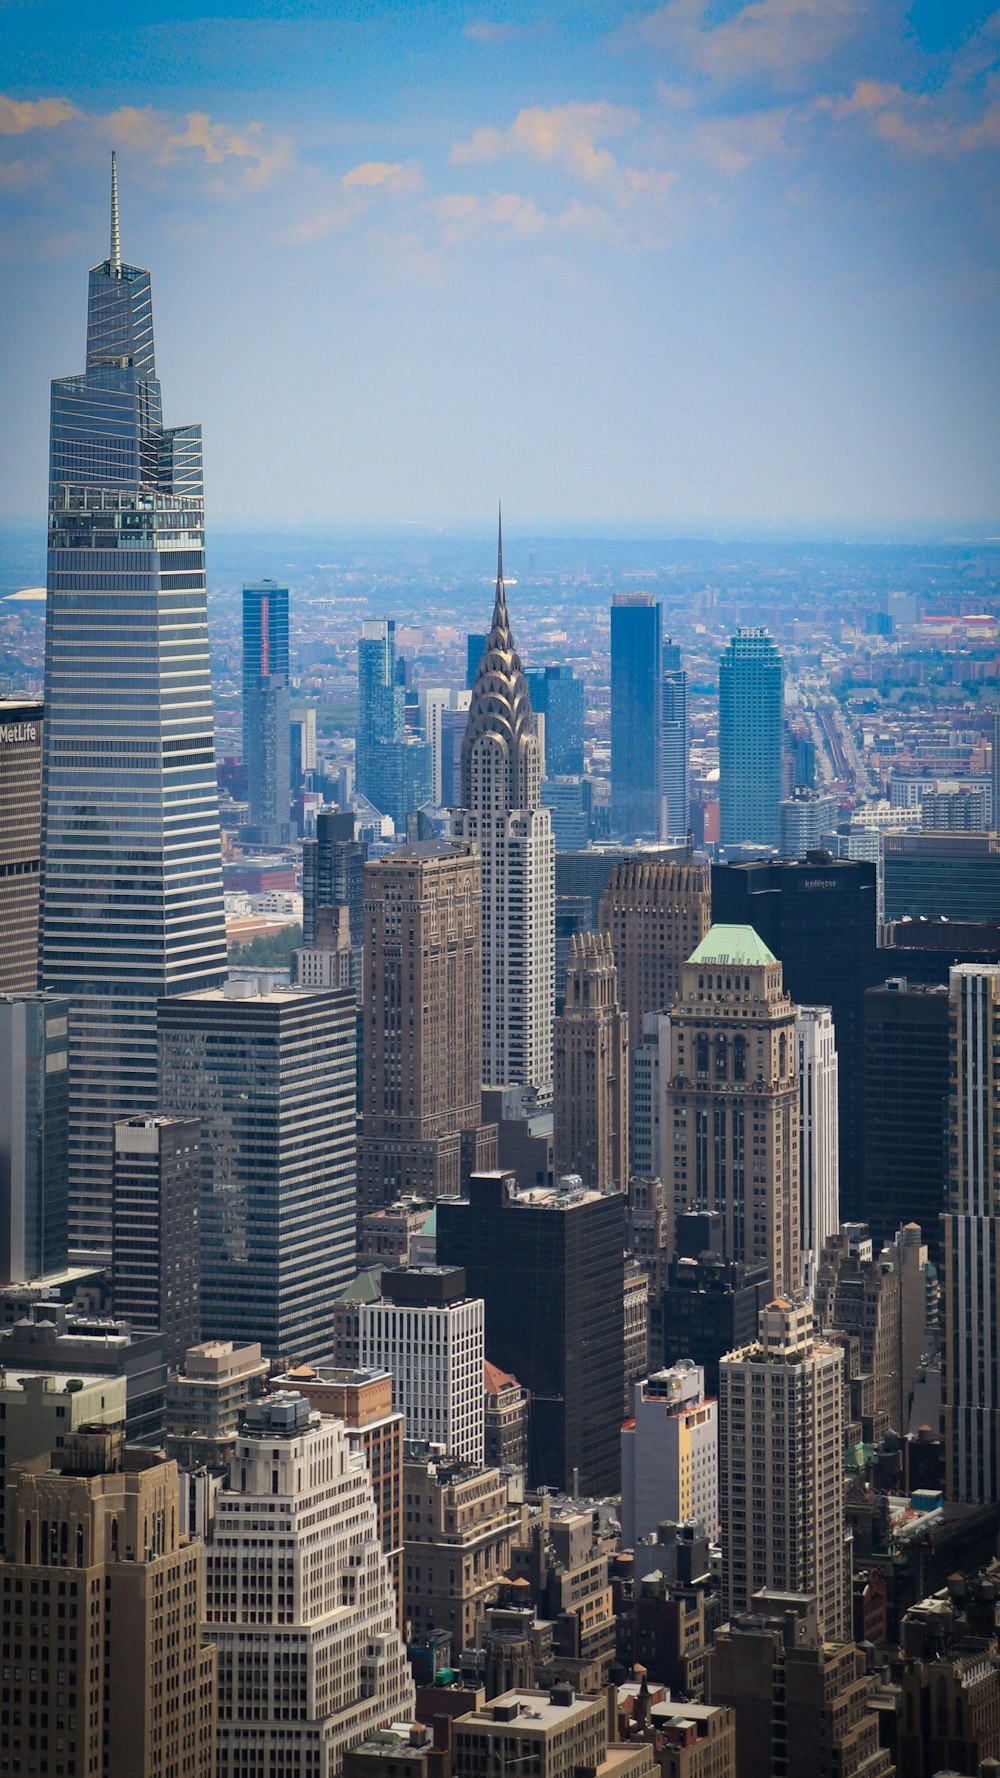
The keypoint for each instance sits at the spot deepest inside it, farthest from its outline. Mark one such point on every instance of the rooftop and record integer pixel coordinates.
(732, 945)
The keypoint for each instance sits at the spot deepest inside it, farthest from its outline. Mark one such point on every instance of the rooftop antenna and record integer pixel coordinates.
(116, 245)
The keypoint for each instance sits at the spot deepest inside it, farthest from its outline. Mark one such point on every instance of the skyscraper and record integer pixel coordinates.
(156, 1256)
(272, 1078)
(819, 1151)
(266, 710)
(428, 1331)
(422, 1021)
(674, 787)
(34, 1130)
(501, 816)
(733, 1101)
(655, 914)
(20, 842)
(636, 716)
(394, 769)
(905, 1108)
(590, 1045)
(333, 875)
(131, 903)
(972, 1237)
(750, 739)
(558, 694)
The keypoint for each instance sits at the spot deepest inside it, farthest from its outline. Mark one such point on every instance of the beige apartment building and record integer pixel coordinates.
(458, 1527)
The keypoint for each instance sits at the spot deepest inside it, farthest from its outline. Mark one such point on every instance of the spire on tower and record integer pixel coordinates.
(116, 245)
(499, 541)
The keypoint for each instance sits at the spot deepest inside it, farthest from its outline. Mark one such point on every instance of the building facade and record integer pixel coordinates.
(819, 1136)
(655, 915)
(750, 739)
(558, 695)
(427, 1330)
(670, 1458)
(636, 716)
(591, 1087)
(394, 768)
(156, 1251)
(34, 1135)
(266, 710)
(675, 790)
(131, 900)
(21, 726)
(906, 1108)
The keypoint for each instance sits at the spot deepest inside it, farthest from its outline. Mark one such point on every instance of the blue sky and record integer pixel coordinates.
(712, 265)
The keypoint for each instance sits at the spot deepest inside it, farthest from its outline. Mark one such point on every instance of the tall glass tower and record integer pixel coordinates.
(674, 757)
(266, 711)
(750, 719)
(636, 715)
(131, 905)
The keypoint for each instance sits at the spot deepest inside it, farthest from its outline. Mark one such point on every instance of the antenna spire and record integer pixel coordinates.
(499, 541)
(116, 245)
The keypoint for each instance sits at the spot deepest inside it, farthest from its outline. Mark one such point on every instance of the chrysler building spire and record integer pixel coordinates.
(501, 756)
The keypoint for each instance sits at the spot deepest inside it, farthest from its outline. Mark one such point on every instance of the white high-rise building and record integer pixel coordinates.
(500, 814)
(429, 1334)
(819, 1162)
(433, 701)
(649, 1069)
(670, 1459)
(781, 1473)
(298, 1599)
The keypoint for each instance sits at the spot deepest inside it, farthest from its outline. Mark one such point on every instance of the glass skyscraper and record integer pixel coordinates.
(266, 710)
(674, 756)
(393, 767)
(636, 716)
(750, 740)
(131, 905)
(558, 695)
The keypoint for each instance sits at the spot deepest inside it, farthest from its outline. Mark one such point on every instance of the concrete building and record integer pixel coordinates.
(505, 1421)
(458, 1531)
(34, 1131)
(819, 1142)
(635, 1328)
(590, 1054)
(427, 1330)
(858, 1297)
(206, 1399)
(733, 1100)
(781, 1487)
(422, 1068)
(21, 721)
(552, 1734)
(670, 1458)
(92, 1533)
(41, 1409)
(649, 1079)
(298, 1598)
(54, 1338)
(392, 1235)
(655, 914)
(155, 1229)
(803, 819)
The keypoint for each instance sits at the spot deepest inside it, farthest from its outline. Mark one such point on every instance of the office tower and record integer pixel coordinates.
(453, 725)
(570, 801)
(708, 1305)
(20, 842)
(781, 1486)
(859, 1296)
(927, 875)
(459, 1536)
(674, 788)
(156, 1255)
(750, 735)
(803, 819)
(428, 1331)
(801, 1698)
(266, 711)
(906, 1108)
(271, 1076)
(649, 1074)
(590, 1050)
(501, 816)
(303, 757)
(971, 1232)
(995, 772)
(548, 1265)
(131, 900)
(635, 1328)
(636, 716)
(656, 914)
(475, 648)
(422, 1077)
(331, 960)
(819, 919)
(434, 703)
(310, 1658)
(670, 1456)
(206, 1399)
(558, 695)
(34, 1130)
(733, 1100)
(393, 768)
(819, 1154)
(333, 876)
(95, 1527)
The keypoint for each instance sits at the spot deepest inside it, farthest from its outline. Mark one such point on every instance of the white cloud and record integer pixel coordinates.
(776, 38)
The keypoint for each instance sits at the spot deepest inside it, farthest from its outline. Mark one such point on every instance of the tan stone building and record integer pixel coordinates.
(505, 1419)
(458, 1529)
(694, 1740)
(655, 915)
(422, 1022)
(206, 1398)
(102, 1618)
(590, 1041)
(733, 1100)
(859, 1294)
(552, 1734)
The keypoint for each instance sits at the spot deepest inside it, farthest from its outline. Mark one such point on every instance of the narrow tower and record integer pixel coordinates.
(500, 814)
(591, 1069)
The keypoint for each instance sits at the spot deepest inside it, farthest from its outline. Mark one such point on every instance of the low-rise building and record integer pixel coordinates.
(458, 1528)
(553, 1734)
(206, 1398)
(505, 1428)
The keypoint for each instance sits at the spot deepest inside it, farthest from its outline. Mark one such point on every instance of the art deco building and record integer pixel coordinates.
(781, 1486)
(655, 915)
(93, 1535)
(131, 902)
(20, 842)
(422, 1022)
(972, 1237)
(299, 1600)
(733, 1102)
(458, 1537)
(590, 1048)
(750, 739)
(501, 816)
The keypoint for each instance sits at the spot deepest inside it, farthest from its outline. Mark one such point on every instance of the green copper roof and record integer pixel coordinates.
(364, 1288)
(737, 945)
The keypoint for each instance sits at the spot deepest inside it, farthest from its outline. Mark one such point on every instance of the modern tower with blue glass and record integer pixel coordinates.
(636, 716)
(750, 740)
(131, 904)
(266, 711)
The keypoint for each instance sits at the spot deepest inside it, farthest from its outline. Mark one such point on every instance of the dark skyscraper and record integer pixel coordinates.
(548, 1264)
(674, 758)
(750, 740)
(636, 716)
(34, 1127)
(333, 875)
(558, 695)
(156, 1256)
(131, 865)
(475, 648)
(906, 1109)
(266, 714)
(20, 842)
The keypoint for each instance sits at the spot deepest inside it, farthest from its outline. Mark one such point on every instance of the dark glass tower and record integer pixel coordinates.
(750, 731)
(393, 767)
(131, 867)
(636, 716)
(558, 695)
(266, 713)
(674, 758)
